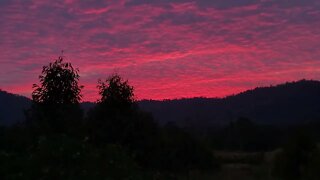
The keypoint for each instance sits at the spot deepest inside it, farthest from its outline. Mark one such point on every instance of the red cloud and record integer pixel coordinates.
(170, 49)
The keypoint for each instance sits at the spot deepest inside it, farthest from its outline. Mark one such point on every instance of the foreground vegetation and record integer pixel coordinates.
(116, 140)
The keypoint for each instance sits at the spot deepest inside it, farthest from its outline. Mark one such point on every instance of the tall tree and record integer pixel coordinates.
(59, 84)
(113, 112)
(117, 120)
(56, 99)
(115, 91)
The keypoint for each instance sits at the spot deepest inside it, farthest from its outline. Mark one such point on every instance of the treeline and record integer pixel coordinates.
(246, 135)
(294, 149)
(116, 140)
(284, 104)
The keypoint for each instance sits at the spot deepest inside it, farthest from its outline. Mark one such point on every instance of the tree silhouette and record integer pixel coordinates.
(116, 92)
(113, 113)
(116, 119)
(58, 84)
(56, 99)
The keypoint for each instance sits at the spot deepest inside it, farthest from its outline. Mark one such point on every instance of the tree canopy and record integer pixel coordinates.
(59, 84)
(56, 98)
(116, 91)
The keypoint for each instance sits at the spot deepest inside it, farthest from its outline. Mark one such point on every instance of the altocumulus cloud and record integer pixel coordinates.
(166, 48)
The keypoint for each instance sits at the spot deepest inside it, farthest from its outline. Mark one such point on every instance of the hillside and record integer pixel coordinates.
(289, 103)
(12, 108)
(284, 104)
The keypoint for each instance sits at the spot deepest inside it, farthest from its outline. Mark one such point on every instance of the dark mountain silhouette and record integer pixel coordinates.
(289, 103)
(12, 108)
(284, 104)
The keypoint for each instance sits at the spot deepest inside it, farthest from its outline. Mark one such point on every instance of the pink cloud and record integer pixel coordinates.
(167, 49)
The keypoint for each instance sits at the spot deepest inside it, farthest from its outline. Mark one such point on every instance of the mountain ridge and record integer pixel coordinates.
(287, 103)
(12, 107)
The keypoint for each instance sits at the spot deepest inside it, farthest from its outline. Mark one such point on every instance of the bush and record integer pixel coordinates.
(294, 162)
(61, 157)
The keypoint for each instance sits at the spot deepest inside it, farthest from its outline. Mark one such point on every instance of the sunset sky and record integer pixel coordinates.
(165, 48)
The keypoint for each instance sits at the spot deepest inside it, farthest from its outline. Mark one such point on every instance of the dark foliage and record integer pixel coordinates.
(114, 112)
(56, 100)
(117, 140)
(116, 119)
(115, 92)
(245, 135)
(62, 157)
(58, 84)
(299, 158)
(181, 152)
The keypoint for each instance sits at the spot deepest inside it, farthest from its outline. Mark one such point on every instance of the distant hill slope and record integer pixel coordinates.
(12, 108)
(289, 103)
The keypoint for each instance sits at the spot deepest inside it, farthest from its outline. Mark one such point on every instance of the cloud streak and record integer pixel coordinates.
(167, 49)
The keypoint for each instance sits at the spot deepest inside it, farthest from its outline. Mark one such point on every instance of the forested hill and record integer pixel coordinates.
(289, 103)
(12, 108)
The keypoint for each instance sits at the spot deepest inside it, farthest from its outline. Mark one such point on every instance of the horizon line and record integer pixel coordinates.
(194, 97)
